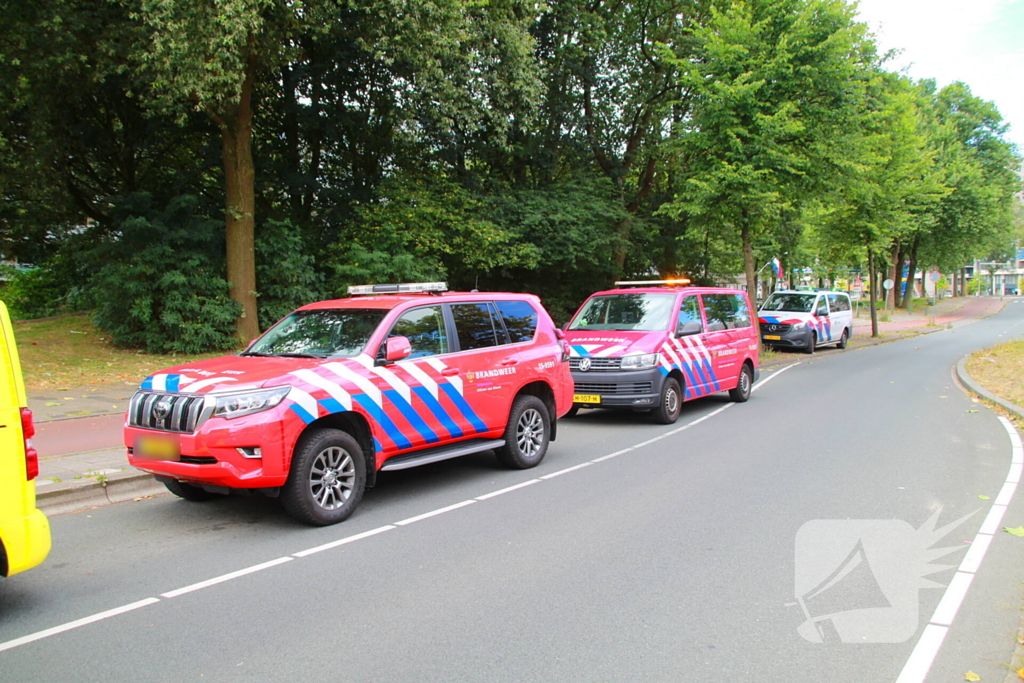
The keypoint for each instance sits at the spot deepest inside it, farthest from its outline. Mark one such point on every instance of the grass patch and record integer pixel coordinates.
(68, 350)
(999, 370)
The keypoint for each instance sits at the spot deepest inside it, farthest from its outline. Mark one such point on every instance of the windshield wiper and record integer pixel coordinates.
(255, 353)
(300, 355)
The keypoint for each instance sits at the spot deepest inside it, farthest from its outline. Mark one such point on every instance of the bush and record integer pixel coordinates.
(162, 288)
(58, 286)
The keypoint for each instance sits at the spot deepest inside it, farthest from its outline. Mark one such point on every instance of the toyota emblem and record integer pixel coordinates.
(162, 409)
(584, 364)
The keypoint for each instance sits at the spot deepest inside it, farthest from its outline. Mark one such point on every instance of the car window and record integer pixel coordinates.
(520, 320)
(838, 302)
(424, 327)
(335, 333)
(474, 326)
(647, 312)
(689, 311)
(726, 311)
(791, 302)
(822, 307)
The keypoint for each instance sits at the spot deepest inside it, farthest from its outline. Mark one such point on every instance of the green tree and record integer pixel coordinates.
(771, 82)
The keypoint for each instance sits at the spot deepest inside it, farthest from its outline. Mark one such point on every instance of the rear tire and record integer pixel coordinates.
(744, 386)
(812, 343)
(327, 478)
(670, 403)
(191, 492)
(843, 339)
(526, 435)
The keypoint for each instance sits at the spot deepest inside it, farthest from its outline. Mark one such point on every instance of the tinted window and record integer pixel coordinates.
(726, 311)
(520, 320)
(475, 326)
(424, 328)
(838, 302)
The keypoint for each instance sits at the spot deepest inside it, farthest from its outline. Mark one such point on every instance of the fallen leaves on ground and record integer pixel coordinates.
(971, 676)
(1017, 531)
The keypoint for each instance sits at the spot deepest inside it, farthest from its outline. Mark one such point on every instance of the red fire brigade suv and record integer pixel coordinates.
(391, 378)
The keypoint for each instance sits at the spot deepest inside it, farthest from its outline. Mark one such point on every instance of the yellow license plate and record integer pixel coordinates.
(774, 337)
(156, 448)
(586, 398)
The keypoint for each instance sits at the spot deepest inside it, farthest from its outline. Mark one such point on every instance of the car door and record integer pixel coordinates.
(821, 321)
(489, 366)
(686, 351)
(721, 313)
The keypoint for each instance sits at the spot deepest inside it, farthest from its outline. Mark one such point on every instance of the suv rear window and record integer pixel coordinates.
(520, 320)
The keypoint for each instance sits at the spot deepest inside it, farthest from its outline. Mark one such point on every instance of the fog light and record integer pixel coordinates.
(250, 451)
(641, 400)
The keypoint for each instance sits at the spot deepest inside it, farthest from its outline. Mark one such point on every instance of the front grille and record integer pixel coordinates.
(597, 364)
(774, 328)
(185, 412)
(610, 389)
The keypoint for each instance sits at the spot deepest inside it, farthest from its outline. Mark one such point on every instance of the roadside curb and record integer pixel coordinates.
(68, 497)
(972, 386)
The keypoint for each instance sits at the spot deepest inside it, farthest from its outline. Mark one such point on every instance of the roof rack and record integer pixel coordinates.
(403, 288)
(677, 282)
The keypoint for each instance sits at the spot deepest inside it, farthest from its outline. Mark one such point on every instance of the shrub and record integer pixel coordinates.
(162, 288)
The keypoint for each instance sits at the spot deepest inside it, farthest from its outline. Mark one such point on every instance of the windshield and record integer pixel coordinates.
(326, 333)
(793, 303)
(641, 312)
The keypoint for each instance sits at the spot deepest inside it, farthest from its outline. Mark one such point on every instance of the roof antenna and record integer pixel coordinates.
(476, 285)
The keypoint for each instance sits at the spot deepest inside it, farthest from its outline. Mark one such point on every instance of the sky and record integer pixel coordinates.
(978, 42)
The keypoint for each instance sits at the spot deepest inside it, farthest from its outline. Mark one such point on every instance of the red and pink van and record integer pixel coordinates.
(649, 346)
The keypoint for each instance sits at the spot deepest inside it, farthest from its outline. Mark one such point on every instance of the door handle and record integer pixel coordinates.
(450, 372)
(510, 361)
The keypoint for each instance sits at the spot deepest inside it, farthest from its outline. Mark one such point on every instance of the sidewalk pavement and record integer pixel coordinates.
(74, 481)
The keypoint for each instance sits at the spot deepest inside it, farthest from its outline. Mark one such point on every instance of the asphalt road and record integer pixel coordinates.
(669, 554)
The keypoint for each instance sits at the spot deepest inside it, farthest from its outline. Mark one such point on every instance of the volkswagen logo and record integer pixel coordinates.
(584, 364)
(162, 409)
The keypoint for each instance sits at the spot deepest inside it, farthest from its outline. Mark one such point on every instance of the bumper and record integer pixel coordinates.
(794, 339)
(211, 455)
(633, 389)
(26, 541)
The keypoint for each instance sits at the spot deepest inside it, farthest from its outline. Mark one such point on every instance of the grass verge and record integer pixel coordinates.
(68, 350)
(999, 369)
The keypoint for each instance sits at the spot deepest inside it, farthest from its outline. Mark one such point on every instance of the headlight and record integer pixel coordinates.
(799, 326)
(248, 402)
(641, 362)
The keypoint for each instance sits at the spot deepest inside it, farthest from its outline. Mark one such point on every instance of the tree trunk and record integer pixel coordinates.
(871, 288)
(748, 257)
(239, 218)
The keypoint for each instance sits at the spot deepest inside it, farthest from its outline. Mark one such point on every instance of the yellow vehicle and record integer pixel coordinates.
(24, 530)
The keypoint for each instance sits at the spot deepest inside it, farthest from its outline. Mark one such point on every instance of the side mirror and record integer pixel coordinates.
(397, 348)
(688, 328)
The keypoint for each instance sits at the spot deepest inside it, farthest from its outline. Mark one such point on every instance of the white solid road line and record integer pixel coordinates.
(357, 537)
(927, 648)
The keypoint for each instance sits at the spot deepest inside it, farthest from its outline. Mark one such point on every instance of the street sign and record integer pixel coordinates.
(888, 283)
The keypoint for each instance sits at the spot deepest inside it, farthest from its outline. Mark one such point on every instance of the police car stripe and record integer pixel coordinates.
(389, 377)
(333, 389)
(422, 377)
(332, 405)
(464, 407)
(364, 384)
(410, 414)
(203, 383)
(454, 380)
(579, 350)
(430, 400)
(389, 427)
(303, 405)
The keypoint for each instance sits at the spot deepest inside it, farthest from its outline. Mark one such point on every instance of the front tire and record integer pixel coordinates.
(670, 403)
(190, 492)
(744, 386)
(327, 478)
(526, 435)
(812, 343)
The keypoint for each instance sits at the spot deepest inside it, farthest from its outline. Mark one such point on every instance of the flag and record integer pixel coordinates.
(777, 267)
